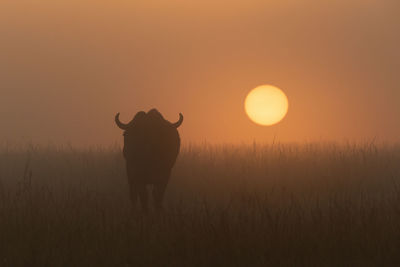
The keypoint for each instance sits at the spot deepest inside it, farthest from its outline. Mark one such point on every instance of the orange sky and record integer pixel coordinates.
(66, 68)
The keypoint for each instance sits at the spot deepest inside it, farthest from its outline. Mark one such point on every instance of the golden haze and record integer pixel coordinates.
(67, 67)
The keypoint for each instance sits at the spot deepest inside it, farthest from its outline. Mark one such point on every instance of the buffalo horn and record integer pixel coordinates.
(179, 122)
(121, 125)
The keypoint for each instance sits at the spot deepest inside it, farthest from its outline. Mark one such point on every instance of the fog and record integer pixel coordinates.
(67, 67)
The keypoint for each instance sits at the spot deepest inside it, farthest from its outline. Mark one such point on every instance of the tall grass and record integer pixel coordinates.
(236, 205)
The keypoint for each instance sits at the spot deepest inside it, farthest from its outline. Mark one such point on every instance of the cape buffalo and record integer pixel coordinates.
(151, 146)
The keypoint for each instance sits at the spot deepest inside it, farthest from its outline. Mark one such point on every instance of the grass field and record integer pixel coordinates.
(226, 205)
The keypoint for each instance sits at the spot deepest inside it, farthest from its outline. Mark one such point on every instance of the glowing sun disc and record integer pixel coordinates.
(266, 105)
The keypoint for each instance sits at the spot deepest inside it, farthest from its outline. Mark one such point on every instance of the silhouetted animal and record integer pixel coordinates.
(151, 146)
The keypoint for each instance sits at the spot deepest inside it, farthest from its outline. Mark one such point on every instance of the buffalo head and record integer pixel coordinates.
(141, 116)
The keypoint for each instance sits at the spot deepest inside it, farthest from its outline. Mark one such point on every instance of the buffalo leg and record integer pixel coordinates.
(133, 195)
(142, 190)
(158, 195)
(133, 187)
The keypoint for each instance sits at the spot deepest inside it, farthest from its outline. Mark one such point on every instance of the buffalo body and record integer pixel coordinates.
(151, 146)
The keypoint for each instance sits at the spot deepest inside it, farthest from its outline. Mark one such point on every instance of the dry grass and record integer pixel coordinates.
(227, 205)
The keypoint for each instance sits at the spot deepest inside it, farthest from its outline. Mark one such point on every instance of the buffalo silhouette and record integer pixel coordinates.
(151, 146)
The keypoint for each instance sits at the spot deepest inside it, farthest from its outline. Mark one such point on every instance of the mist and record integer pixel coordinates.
(67, 67)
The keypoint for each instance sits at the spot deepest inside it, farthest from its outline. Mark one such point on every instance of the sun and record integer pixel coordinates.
(266, 105)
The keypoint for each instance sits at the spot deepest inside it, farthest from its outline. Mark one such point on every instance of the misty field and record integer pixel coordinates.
(226, 205)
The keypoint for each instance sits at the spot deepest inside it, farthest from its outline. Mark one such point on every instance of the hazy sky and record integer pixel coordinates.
(67, 66)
